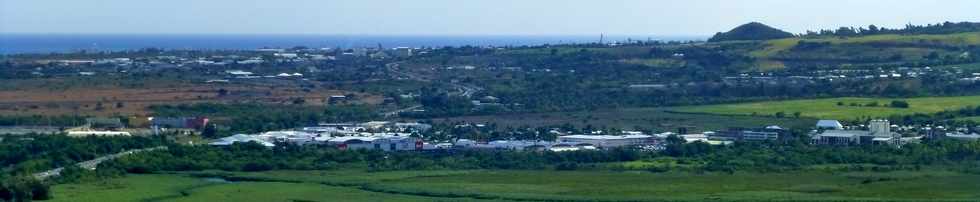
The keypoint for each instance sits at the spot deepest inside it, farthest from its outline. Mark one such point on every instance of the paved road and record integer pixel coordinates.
(399, 111)
(92, 164)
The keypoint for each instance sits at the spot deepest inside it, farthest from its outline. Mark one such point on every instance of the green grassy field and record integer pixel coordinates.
(968, 67)
(828, 108)
(972, 118)
(179, 187)
(480, 185)
(775, 46)
(130, 188)
(632, 118)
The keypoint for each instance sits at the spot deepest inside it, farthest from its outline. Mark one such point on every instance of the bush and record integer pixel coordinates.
(899, 104)
(567, 166)
(871, 104)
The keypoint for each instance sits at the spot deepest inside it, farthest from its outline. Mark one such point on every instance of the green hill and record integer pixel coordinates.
(751, 31)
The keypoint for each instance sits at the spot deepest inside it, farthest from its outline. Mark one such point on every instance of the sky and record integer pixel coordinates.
(466, 17)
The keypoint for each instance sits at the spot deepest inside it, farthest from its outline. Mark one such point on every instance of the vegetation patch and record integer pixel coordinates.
(840, 108)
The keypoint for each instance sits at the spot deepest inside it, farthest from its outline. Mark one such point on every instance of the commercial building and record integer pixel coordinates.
(607, 141)
(879, 132)
(963, 136)
(830, 125)
(384, 143)
(770, 133)
(241, 138)
(104, 123)
(179, 122)
(97, 133)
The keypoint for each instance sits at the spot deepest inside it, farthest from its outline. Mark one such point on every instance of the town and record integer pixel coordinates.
(400, 136)
(755, 113)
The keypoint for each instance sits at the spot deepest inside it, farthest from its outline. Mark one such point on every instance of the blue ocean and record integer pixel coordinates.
(48, 43)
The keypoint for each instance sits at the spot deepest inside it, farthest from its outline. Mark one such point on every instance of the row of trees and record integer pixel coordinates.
(938, 28)
(251, 118)
(38, 120)
(790, 154)
(252, 157)
(24, 189)
(753, 156)
(22, 156)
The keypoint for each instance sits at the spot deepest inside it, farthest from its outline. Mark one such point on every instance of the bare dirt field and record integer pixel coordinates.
(63, 97)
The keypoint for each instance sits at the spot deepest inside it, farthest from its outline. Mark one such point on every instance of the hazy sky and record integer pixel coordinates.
(466, 17)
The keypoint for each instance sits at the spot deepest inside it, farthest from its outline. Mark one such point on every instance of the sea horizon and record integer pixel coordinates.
(40, 43)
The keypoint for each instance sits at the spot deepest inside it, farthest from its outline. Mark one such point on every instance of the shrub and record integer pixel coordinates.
(899, 104)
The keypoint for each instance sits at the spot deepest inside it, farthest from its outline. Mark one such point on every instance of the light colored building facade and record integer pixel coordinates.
(607, 141)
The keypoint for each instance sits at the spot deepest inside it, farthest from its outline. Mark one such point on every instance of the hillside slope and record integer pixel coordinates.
(751, 31)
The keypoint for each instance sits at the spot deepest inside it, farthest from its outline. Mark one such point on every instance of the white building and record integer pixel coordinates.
(403, 52)
(963, 136)
(295, 137)
(389, 143)
(97, 133)
(830, 125)
(879, 132)
(607, 141)
(240, 138)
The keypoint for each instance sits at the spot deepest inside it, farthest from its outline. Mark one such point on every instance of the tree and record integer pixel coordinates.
(210, 131)
(899, 104)
(872, 104)
(872, 29)
(99, 107)
(299, 101)
(222, 92)
(932, 56)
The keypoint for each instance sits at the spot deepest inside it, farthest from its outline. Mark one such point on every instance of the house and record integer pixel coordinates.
(104, 123)
(334, 99)
(238, 73)
(286, 55)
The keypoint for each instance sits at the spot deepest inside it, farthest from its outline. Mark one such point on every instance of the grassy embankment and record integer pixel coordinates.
(772, 53)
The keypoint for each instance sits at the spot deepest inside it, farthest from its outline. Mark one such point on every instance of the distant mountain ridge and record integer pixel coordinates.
(751, 31)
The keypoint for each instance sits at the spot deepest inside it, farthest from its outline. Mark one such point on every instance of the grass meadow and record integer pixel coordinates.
(521, 185)
(632, 118)
(829, 108)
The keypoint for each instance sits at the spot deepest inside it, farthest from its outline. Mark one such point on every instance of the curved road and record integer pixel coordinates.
(92, 164)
